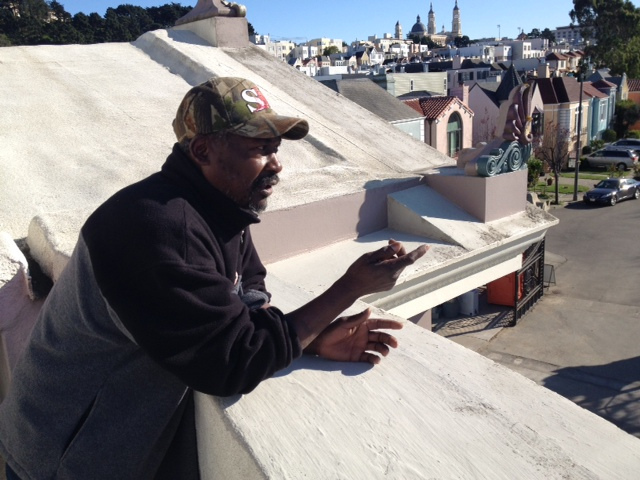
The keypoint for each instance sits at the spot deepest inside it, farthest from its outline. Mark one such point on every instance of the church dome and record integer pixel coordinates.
(419, 28)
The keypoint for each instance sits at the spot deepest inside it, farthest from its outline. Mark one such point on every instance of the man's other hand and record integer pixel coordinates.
(379, 270)
(355, 339)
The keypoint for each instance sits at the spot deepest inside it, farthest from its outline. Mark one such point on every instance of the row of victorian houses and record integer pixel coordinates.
(451, 97)
(456, 104)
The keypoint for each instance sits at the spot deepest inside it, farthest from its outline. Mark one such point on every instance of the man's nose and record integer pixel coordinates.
(273, 164)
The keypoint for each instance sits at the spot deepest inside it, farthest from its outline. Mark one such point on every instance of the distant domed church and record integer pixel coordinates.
(429, 30)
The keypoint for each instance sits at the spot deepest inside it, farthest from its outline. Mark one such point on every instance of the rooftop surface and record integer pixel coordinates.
(82, 121)
(107, 111)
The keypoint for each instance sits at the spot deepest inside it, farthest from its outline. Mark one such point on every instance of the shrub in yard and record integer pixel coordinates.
(534, 169)
(596, 145)
(587, 149)
(633, 134)
(614, 172)
(609, 135)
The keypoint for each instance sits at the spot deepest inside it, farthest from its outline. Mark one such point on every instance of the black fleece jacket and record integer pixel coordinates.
(160, 297)
(174, 259)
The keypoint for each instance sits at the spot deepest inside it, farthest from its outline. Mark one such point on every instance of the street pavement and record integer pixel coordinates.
(581, 342)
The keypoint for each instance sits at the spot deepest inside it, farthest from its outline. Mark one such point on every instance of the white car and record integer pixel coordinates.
(625, 144)
(622, 159)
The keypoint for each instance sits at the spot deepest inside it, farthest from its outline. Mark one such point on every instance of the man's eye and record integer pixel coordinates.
(267, 150)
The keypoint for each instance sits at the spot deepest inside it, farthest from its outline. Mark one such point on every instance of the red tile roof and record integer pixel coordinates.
(556, 56)
(415, 104)
(591, 91)
(434, 107)
(634, 84)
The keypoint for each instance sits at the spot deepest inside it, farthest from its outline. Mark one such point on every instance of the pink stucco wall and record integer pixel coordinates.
(436, 132)
(310, 226)
(486, 198)
(486, 116)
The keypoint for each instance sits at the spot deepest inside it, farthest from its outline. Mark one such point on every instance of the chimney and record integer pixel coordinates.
(462, 92)
(543, 70)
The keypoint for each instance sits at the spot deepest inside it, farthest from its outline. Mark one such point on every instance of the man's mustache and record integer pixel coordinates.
(266, 181)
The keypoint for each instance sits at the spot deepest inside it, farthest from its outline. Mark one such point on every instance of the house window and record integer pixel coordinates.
(454, 134)
(536, 124)
(411, 87)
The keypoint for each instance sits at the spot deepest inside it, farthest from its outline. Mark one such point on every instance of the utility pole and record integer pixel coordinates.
(577, 168)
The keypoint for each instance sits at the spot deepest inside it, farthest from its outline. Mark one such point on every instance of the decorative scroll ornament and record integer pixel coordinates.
(510, 157)
(515, 149)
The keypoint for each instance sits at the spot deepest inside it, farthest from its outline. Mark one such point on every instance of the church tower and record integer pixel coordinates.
(431, 26)
(456, 25)
(398, 29)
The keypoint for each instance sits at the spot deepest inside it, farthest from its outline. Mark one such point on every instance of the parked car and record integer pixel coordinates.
(625, 144)
(612, 190)
(622, 159)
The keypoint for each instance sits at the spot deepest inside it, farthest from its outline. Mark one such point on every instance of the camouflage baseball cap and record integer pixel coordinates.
(235, 105)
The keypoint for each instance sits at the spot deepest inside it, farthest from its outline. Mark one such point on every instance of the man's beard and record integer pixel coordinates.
(260, 205)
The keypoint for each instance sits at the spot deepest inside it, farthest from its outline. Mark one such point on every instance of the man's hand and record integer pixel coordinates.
(379, 270)
(354, 338)
(373, 272)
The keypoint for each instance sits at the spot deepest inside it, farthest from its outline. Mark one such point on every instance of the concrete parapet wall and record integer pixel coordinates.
(432, 409)
(52, 238)
(18, 310)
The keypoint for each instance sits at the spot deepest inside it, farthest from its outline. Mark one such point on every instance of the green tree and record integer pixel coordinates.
(422, 40)
(31, 22)
(86, 33)
(627, 113)
(615, 26)
(98, 25)
(553, 149)
(37, 9)
(165, 16)
(8, 24)
(58, 11)
(535, 33)
(330, 50)
(463, 41)
(549, 35)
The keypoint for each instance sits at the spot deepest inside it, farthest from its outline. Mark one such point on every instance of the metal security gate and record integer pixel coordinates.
(529, 284)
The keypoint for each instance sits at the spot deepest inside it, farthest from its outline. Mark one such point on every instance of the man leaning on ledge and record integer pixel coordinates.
(164, 295)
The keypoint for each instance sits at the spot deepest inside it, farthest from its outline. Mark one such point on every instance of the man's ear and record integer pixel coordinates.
(199, 149)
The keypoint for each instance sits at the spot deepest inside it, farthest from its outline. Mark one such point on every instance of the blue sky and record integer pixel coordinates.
(358, 19)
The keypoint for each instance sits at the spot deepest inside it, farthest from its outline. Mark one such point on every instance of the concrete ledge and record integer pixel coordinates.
(432, 409)
(52, 238)
(18, 311)
(14, 271)
(532, 197)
